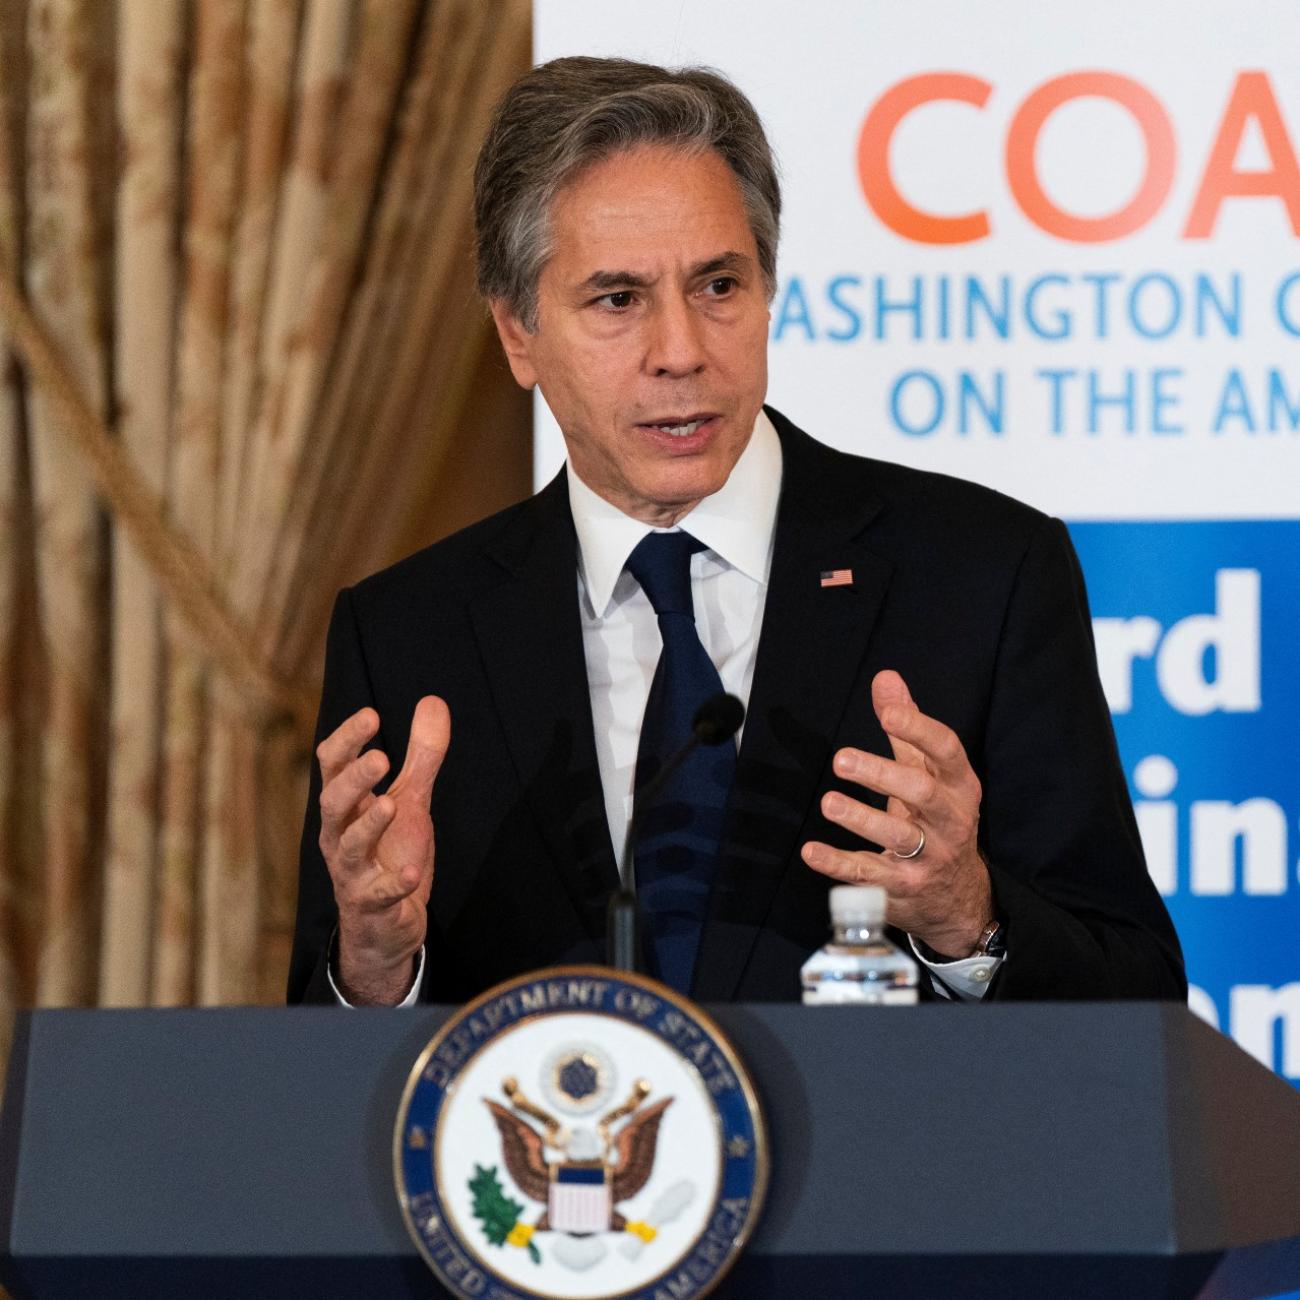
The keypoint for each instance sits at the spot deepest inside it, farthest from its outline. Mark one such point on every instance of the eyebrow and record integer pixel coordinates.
(724, 262)
(604, 281)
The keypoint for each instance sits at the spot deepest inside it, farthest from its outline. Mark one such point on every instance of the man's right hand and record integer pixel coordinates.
(379, 849)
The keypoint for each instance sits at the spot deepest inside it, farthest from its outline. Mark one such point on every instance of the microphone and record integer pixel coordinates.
(716, 721)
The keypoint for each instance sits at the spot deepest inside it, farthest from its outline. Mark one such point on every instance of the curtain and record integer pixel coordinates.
(241, 365)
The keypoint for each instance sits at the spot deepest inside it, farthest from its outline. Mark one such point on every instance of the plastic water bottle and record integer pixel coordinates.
(859, 965)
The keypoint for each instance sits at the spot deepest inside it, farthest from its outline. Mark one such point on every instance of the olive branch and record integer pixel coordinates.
(495, 1210)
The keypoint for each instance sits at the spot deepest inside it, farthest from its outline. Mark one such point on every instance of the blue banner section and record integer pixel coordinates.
(1198, 640)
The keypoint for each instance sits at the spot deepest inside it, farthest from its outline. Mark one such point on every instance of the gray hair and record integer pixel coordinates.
(570, 113)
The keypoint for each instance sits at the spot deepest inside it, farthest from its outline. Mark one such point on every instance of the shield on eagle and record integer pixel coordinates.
(579, 1199)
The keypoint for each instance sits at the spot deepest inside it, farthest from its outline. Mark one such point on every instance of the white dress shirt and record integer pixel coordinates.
(620, 630)
(621, 641)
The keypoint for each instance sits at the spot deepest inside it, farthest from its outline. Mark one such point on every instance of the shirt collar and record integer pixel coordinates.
(736, 523)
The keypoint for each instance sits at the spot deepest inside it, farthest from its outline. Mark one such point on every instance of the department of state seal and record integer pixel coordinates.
(577, 1134)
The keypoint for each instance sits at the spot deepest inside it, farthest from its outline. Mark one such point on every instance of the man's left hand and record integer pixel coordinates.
(942, 895)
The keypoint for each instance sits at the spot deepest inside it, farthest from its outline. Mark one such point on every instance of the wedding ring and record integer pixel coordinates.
(916, 852)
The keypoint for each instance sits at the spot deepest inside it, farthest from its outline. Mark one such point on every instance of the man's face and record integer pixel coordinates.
(651, 343)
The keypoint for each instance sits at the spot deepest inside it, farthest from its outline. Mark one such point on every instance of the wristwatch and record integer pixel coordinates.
(992, 941)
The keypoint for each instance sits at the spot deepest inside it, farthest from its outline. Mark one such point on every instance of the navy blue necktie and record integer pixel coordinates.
(680, 833)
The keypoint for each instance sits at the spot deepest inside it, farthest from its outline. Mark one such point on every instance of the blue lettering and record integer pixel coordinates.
(988, 407)
(1206, 296)
(1101, 281)
(1161, 398)
(911, 305)
(930, 388)
(846, 309)
(1234, 404)
(1061, 318)
(1125, 400)
(1173, 312)
(998, 315)
(1056, 383)
(1280, 404)
(1282, 304)
(794, 311)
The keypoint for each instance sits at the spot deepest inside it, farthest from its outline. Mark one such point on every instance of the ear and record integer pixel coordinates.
(517, 343)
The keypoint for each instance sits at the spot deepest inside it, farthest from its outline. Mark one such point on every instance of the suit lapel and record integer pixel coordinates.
(809, 656)
(530, 636)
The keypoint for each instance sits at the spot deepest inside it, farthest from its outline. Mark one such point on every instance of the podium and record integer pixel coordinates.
(941, 1151)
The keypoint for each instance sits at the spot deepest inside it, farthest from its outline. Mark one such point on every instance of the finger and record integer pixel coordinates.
(357, 844)
(897, 834)
(386, 889)
(347, 794)
(427, 747)
(914, 786)
(897, 879)
(345, 742)
(837, 864)
(940, 747)
(915, 736)
(888, 693)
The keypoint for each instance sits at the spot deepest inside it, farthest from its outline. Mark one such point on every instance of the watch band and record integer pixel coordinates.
(992, 941)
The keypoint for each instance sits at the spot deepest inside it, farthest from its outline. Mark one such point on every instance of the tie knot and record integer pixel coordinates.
(661, 563)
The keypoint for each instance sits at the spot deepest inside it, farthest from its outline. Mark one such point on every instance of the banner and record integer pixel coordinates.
(1058, 253)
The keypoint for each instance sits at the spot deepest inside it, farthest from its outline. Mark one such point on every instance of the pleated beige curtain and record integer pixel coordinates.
(241, 365)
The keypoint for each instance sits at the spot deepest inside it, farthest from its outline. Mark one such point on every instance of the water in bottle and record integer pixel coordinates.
(860, 964)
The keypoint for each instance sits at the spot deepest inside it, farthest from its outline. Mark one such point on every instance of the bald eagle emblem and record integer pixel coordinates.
(578, 1175)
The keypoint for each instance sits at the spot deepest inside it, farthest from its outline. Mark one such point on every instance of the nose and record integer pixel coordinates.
(674, 342)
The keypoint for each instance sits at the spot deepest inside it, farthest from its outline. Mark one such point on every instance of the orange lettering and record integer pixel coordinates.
(1252, 98)
(1022, 171)
(878, 185)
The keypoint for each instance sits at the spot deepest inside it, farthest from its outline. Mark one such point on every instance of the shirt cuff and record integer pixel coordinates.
(408, 1001)
(966, 980)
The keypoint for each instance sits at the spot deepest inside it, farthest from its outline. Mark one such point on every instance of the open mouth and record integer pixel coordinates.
(680, 426)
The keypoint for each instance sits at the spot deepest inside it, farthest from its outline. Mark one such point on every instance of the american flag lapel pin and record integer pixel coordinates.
(837, 577)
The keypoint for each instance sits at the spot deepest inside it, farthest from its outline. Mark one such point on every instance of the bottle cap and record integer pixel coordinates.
(858, 905)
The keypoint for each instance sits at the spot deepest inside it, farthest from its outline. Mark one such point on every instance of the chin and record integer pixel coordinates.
(686, 489)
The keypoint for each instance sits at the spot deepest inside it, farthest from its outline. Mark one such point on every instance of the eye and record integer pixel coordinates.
(720, 286)
(619, 300)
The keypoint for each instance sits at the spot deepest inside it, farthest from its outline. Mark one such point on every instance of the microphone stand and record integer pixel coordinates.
(717, 720)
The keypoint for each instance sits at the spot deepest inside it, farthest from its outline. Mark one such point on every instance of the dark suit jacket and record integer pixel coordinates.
(976, 599)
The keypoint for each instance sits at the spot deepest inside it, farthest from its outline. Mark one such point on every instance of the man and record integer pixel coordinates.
(923, 710)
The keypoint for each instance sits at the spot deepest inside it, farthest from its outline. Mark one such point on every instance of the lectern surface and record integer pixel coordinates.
(937, 1151)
